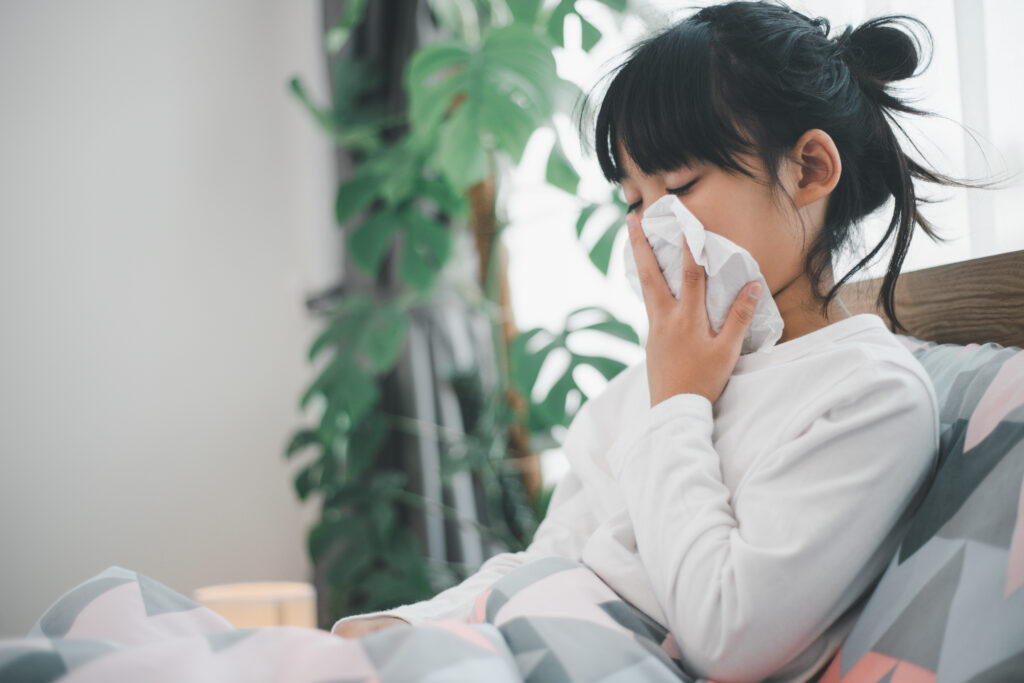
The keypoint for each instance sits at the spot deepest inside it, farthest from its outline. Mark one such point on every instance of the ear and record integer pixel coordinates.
(818, 166)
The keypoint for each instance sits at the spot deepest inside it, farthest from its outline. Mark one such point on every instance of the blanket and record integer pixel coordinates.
(551, 619)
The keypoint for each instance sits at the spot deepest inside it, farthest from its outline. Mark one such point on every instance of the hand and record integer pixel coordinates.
(360, 627)
(684, 355)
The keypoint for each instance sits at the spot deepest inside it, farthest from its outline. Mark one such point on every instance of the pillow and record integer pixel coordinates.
(950, 605)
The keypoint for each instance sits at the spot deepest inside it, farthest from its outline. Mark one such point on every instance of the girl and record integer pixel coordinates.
(748, 503)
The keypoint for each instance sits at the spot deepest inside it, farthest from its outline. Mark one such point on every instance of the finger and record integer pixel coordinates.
(694, 286)
(741, 315)
(656, 293)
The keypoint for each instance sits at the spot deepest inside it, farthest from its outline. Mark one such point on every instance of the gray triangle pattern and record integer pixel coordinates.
(403, 654)
(1006, 670)
(583, 651)
(533, 571)
(77, 652)
(977, 518)
(984, 626)
(633, 619)
(159, 599)
(896, 590)
(917, 634)
(225, 639)
(39, 666)
(644, 670)
(529, 662)
(57, 620)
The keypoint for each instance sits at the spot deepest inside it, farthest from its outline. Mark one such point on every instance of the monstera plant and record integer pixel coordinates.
(478, 94)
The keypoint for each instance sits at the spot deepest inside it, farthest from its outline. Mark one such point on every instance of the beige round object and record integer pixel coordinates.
(266, 603)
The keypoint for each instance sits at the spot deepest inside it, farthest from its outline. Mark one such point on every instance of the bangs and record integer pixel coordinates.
(668, 106)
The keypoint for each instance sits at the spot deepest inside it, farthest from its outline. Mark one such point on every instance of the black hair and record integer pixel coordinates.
(750, 78)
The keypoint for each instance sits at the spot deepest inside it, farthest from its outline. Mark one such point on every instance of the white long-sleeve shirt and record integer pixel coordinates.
(749, 527)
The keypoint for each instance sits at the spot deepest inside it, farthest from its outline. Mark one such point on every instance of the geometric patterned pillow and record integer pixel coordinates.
(950, 605)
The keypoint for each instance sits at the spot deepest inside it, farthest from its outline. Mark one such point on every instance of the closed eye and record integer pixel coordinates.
(676, 191)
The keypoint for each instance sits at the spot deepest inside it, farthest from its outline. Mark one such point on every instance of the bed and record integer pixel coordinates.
(950, 606)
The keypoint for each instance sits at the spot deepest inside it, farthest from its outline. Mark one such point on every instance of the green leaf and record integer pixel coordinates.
(353, 196)
(615, 328)
(544, 500)
(320, 386)
(323, 117)
(601, 253)
(354, 561)
(305, 480)
(365, 443)
(461, 154)
(609, 367)
(511, 127)
(585, 215)
(524, 11)
(323, 536)
(426, 248)
(442, 194)
(348, 319)
(383, 484)
(355, 392)
(400, 181)
(560, 172)
(384, 337)
(617, 5)
(515, 58)
(433, 78)
(497, 94)
(556, 21)
(591, 35)
(553, 406)
(370, 241)
(300, 440)
(525, 366)
(382, 512)
(542, 441)
(352, 16)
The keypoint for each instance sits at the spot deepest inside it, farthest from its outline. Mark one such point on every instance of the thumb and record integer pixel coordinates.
(741, 314)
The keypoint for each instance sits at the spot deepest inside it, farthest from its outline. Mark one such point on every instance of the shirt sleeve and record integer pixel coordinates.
(748, 582)
(565, 527)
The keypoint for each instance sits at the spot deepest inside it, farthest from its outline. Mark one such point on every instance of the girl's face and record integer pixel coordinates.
(731, 205)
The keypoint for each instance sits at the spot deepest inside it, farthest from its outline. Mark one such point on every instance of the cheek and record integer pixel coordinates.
(754, 225)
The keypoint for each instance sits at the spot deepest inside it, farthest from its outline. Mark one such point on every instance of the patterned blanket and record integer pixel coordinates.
(552, 619)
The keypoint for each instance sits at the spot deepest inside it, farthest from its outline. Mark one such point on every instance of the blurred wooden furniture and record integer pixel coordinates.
(975, 301)
(265, 603)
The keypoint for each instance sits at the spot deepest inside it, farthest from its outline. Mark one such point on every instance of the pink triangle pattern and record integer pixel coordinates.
(1004, 394)
(670, 646)
(1015, 568)
(479, 615)
(874, 666)
(464, 631)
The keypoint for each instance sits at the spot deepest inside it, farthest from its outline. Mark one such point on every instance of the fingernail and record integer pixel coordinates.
(754, 291)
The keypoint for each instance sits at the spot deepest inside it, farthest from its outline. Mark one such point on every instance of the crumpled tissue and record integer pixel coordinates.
(728, 267)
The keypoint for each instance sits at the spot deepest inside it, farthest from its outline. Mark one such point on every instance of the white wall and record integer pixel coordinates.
(164, 207)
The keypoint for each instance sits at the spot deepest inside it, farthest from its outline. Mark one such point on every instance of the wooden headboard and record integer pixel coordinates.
(975, 301)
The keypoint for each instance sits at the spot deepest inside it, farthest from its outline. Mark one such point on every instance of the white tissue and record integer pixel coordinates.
(728, 267)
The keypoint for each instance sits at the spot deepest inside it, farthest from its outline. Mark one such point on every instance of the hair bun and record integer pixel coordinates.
(881, 49)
